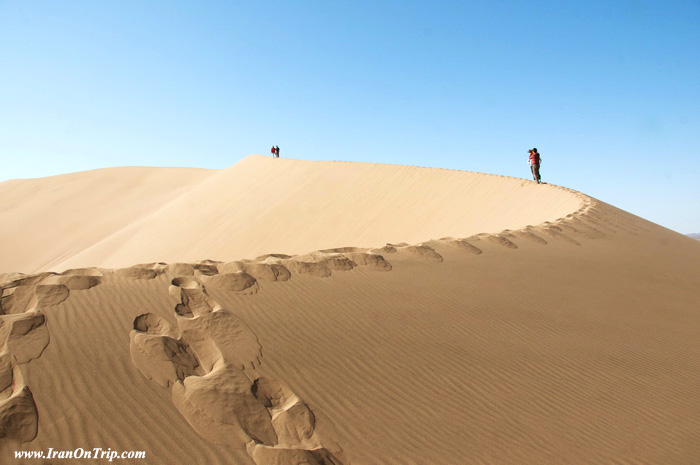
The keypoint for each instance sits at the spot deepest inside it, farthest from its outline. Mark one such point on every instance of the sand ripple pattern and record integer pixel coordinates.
(210, 358)
(24, 335)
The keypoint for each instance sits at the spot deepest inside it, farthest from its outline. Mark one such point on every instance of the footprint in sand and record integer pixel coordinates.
(259, 271)
(371, 260)
(463, 245)
(24, 336)
(311, 268)
(157, 352)
(556, 232)
(501, 240)
(423, 251)
(239, 281)
(19, 420)
(320, 264)
(208, 362)
(136, 272)
(529, 235)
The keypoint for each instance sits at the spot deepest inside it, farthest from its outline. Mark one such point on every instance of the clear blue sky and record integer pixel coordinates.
(609, 92)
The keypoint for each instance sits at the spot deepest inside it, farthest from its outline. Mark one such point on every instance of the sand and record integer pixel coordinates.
(367, 314)
(258, 206)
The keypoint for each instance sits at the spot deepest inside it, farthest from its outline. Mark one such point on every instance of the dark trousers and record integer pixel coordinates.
(535, 167)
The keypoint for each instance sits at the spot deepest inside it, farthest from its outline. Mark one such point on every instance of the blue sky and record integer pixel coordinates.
(607, 91)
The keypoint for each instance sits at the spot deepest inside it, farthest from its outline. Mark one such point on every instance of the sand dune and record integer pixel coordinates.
(47, 220)
(259, 205)
(563, 330)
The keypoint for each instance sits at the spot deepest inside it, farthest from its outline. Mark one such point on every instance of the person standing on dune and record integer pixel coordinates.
(277, 151)
(535, 164)
(272, 151)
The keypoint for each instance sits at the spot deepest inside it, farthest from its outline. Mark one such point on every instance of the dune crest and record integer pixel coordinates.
(116, 217)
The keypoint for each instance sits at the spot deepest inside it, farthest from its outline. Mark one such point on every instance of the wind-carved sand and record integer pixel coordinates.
(205, 358)
(24, 335)
(209, 359)
(208, 366)
(543, 326)
(230, 215)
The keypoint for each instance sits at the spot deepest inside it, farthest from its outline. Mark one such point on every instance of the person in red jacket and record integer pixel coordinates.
(535, 161)
(272, 151)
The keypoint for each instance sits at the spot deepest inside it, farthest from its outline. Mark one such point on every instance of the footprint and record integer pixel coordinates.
(532, 237)
(157, 354)
(465, 246)
(268, 272)
(180, 269)
(371, 260)
(206, 269)
(291, 418)
(389, 248)
(77, 282)
(556, 233)
(338, 263)
(500, 240)
(136, 272)
(332, 261)
(215, 333)
(27, 280)
(17, 299)
(185, 282)
(23, 335)
(423, 251)
(19, 420)
(311, 268)
(220, 407)
(260, 271)
(294, 424)
(48, 295)
(240, 281)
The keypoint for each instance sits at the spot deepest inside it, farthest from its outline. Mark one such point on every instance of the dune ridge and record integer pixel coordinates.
(257, 206)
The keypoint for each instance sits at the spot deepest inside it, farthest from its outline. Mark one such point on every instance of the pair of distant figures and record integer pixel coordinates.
(535, 161)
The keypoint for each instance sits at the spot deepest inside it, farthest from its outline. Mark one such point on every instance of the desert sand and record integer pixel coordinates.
(293, 312)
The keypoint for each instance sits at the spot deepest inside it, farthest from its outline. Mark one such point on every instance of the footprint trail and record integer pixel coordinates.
(209, 362)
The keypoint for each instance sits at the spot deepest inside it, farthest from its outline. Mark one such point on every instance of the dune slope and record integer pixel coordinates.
(568, 340)
(259, 205)
(46, 220)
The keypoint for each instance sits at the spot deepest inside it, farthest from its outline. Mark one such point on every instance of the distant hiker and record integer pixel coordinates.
(272, 151)
(277, 151)
(535, 161)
